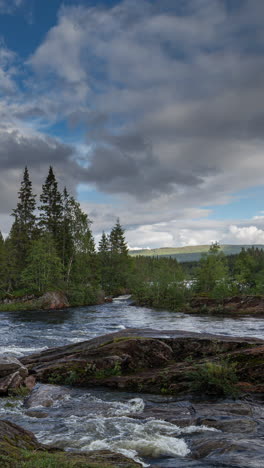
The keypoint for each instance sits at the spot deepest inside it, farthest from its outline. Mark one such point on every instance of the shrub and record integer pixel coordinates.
(216, 379)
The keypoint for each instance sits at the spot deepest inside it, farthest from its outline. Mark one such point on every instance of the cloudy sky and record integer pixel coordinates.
(150, 110)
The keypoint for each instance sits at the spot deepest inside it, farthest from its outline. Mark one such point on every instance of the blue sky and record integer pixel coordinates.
(148, 110)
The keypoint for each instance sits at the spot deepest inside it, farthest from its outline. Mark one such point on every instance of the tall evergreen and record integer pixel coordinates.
(24, 213)
(23, 228)
(120, 261)
(117, 240)
(51, 210)
(104, 261)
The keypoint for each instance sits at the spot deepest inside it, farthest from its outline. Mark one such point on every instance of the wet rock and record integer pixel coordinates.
(12, 374)
(147, 360)
(37, 414)
(9, 365)
(45, 395)
(30, 382)
(19, 447)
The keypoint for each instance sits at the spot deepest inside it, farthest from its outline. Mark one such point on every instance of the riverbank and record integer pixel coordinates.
(51, 300)
(236, 305)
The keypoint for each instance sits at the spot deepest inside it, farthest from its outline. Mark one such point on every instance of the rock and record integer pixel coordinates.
(30, 382)
(45, 395)
(19, 447)
(53, 300)
(37, 414)
(147, 360)
(9, 365)
(253, 305)
(12, 374)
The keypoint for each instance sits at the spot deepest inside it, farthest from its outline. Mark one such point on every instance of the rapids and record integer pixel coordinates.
(84, 419)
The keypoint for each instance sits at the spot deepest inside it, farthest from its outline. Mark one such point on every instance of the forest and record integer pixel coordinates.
(51, 247)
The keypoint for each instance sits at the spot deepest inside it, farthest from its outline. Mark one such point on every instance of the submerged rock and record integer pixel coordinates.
(45, 395)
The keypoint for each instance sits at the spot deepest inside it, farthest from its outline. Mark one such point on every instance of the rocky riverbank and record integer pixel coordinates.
(216, 429)
(236, 305)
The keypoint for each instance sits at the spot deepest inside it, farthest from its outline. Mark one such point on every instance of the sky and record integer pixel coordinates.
(148, 110)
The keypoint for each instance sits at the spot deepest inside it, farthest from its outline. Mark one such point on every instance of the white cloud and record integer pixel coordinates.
(247, 234)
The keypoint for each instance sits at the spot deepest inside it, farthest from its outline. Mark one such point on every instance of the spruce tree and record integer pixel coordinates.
(24, 213)
(104, 261)
(51, 210)
(120, 262)
(23, 229)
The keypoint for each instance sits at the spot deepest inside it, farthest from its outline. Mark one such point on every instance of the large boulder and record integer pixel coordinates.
(53, 300)
(12, 374)
(148, 360)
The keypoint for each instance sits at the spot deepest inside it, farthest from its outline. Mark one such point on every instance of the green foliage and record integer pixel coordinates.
(109, 372)
(217, 379)
(44, 268)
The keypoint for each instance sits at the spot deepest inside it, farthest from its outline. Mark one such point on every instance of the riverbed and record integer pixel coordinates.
(84, 419)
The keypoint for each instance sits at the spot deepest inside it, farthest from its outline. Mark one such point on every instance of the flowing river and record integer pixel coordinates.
(84, 419)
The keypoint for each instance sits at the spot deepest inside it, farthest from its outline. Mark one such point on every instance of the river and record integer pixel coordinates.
(84, 419)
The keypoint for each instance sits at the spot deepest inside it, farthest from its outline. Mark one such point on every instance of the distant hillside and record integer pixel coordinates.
(190, 253)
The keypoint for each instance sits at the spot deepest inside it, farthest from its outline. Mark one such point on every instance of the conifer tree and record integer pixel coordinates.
(104, 261)
(24, 213)
(51, 210)
(23, 229)
(120, 261)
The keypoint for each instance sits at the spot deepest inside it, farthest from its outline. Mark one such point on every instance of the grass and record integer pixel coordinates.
(38, 459)
(18, 306)
(19, 392)
(216, 379)
(111, 371)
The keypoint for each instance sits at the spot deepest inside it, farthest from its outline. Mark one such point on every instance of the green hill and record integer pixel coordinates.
(190, 253)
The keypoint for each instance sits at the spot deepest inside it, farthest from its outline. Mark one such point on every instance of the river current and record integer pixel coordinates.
(84, 419)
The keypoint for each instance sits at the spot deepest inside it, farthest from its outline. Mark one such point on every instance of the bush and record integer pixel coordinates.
(216, 379)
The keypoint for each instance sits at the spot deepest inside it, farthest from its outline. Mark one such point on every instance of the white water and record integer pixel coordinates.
(88, 420)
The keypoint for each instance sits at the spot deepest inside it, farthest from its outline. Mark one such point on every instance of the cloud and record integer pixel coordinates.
(171, 98)
(247, 235)
(174, 98)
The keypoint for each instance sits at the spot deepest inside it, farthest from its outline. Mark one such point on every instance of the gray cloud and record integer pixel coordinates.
(174, 91)
(171, 96)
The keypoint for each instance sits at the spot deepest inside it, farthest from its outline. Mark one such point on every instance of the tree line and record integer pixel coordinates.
(51, 246)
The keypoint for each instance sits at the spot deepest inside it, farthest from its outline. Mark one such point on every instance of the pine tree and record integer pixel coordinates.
(25, 211)
(24, 226)
(51, 210)
(120, 262)
(66, 232)
(117, 240)
(104, 261)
